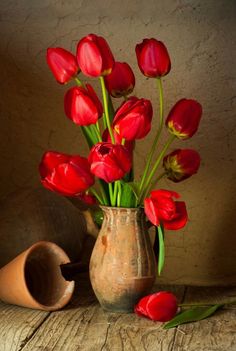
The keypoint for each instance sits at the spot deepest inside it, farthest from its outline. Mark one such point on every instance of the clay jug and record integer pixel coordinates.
(122, 265)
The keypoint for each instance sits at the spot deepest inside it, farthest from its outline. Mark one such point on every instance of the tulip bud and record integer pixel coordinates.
(65, 174)
(94, 56)
(160, 208)
(109, 162)
(161, 306)
(153, 58)
(88, 199)
(62, 63)
(181, 164)
(184, 118)
(133, 119)
(82, 105)
(121, 81)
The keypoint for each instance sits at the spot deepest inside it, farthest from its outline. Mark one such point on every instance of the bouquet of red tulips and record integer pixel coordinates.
(111, 135)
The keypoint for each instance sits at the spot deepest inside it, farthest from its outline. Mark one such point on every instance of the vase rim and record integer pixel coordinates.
(121, 208)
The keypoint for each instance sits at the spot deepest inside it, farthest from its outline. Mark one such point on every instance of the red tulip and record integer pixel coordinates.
(109, 162)
(118, 139)
(181, 164)
(65, 174)
(94, 56)
(82, 105)
(121, 81)
(161, 306)
(153, 58)
(133, 119)
(160, 208)
(62, 63)
(183, 119)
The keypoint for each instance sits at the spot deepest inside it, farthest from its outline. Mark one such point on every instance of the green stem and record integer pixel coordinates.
(98, 128)
(87, 136)
(150, 155)
(106, 201)
(91, 134)
(96, 132)
(123, 141)
(153, 184)
(94, 192)
(111, 194)
(104, 95)
(161, 99)
(119, 194)
(146, 186)
(78, 81)
(115, 191)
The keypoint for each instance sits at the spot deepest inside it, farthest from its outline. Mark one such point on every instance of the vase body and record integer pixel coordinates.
(122, 265)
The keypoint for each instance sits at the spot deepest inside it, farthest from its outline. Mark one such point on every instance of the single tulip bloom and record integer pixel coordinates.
(109, 162)
(181, 164)
(133, 119)
(62, 63)
(94, 56)
(153, 58)
(160, 208)
(82, 105)
(184, 118)
(121, 81)
(65, 174)
(161, 306)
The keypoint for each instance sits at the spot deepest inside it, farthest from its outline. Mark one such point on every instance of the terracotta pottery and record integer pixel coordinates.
(33, 279)
(122, 265)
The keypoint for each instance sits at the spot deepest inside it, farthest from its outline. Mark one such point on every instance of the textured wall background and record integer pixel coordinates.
(200, 36)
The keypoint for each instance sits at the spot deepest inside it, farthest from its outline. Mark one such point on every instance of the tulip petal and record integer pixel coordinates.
(184, 118)
(62, 63)
(161, 306)
(50, 160)
(89, 58)
(180, 219)
(156, 194)
(153, 58)
(150, 208)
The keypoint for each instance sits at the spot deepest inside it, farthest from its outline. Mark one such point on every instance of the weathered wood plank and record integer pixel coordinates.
(218, 332)
(17, 326)
(85, 326)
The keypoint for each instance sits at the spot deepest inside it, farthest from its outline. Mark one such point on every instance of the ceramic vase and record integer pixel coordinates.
(122, 265)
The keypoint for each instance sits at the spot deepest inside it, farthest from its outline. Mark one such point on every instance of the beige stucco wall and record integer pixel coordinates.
(200, 36)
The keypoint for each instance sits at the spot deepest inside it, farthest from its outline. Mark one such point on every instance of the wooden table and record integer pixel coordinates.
(83, 325)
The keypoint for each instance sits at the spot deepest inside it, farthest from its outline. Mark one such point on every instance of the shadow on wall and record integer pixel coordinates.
(33, 121)
(224, 245)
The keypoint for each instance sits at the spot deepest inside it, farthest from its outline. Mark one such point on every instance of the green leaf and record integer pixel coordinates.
(87, 137)
(161, 256)
(192, 315)
(98, 217)
(134, 186)
(128, 197)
